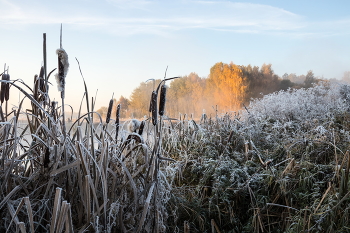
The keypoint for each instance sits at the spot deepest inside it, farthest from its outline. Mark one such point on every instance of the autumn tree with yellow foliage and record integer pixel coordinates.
(186, 95)
(227, 86)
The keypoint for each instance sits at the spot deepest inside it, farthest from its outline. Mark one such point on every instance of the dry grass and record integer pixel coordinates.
(249, 173)
(280, 171)
(85, 180)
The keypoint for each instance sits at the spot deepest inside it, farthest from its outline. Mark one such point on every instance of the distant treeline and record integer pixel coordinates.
(228, 86)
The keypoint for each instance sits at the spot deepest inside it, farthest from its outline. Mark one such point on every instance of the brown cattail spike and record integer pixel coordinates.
(117, 122)
(2, 91)
(154, 107)
(108, 118)
(162, 100)
(142, 126)
(41, 80)
(47, 157)
(7, 90)
(53, 109)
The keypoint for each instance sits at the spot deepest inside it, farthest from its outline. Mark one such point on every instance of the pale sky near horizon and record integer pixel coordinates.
(120, 43)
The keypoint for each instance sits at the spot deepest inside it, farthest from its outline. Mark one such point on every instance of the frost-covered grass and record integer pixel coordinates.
(80, 177)
(280, 166)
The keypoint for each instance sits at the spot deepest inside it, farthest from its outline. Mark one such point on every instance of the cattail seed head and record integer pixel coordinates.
(53, 109)
(142, 126)
(117, 115)
(63, 66)
(47, 157)
(162, 100)
(154, 107)
(5, 88)
(41, 80)
(117, 122)
(2, 92)
(108, 118)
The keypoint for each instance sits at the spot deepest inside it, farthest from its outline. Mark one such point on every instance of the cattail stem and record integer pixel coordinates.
(63, 115)
(45, 69)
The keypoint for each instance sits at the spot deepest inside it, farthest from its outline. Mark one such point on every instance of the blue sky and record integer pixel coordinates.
(121, 43)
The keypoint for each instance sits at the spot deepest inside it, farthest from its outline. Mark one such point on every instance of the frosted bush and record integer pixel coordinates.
(320, 102)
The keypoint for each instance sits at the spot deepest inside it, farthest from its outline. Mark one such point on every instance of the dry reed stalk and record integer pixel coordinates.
(30, 213)
(65, 168)
(186, 227)
(8, 196)
(304, 219)
(22, 227)
(214, 226)
(14, 213)
(145, 208)
(87, 198)
(69, 222)
(56, 210)
(62, 217)
(323, 197)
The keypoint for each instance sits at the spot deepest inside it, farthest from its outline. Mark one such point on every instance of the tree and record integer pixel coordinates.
(124, 106)
(309, 79)
(260, 81)
(346, 77)
(186, 95)
(285, 84)
(102, 111)
(140, 98)
(227, 86)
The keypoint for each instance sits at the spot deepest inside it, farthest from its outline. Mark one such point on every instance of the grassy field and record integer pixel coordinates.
(280, 165)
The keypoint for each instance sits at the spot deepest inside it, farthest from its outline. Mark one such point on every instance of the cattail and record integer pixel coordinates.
(35, 90)
(41, 80)
(63, 66)
(162, 100)
(117, 121)
(5, 88)
(142, 126)
(2, 92)
(47, 157)
(53, 109)
(108, 118)
(154, 107)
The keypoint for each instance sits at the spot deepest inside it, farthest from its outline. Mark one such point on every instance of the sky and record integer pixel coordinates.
(121, 43)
